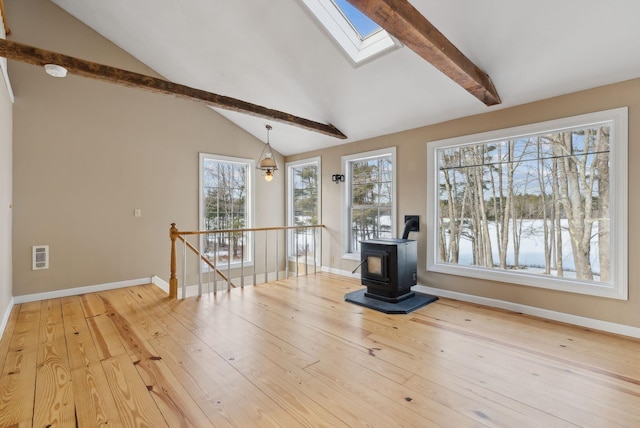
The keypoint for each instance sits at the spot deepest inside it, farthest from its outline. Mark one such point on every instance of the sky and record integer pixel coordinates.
(362, 24)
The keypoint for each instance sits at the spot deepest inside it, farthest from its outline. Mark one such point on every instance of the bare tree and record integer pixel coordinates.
(560, 179)
(557, 211)
(478, 211)
(450, 254)
(503, 222)
(225, 186)
(543, 200)
(604, 214)
(576, 186)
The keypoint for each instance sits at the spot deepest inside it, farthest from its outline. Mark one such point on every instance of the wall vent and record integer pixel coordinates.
(40, 257)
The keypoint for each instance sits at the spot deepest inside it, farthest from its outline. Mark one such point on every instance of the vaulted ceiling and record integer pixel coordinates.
(276, 54)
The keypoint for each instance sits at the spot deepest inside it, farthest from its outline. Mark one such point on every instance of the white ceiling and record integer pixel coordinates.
(275, 54)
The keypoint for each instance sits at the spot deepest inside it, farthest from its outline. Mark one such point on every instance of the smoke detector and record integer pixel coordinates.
(55, 70)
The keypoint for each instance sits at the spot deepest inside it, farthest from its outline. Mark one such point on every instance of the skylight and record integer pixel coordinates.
(359, 21)
(360, 37)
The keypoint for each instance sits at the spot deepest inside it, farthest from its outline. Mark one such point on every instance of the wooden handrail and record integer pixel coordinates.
(253, 229)
(174, 234)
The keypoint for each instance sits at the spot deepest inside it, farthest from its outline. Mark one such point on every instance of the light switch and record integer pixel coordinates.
(137, 212)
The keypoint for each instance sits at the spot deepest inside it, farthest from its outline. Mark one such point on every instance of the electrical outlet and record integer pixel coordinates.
(137, 212)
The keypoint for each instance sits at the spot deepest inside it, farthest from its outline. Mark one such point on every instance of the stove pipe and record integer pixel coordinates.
(407, 226)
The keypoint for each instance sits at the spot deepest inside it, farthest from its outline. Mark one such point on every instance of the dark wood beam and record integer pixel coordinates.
(32, 55)
(400, 19)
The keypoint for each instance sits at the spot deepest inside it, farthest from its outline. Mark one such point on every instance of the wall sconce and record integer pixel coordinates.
(266, 162)
(337, 178)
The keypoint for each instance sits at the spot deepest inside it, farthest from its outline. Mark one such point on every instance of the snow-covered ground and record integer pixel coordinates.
(532, 248)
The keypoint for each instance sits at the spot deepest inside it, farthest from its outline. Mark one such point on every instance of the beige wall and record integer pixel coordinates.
(412, 181)
(5, 198)
(87, 153)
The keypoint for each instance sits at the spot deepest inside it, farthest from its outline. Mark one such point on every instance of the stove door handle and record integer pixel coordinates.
(357, 267)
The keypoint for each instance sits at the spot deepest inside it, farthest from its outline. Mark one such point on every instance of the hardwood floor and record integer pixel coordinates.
(294, 354)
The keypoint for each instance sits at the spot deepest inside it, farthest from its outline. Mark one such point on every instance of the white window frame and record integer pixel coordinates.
(250, 202)
(618, 155)
(348, 38)
(290, 166)
(346, 200)
(3, 63)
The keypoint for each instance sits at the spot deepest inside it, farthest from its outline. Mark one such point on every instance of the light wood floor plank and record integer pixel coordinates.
(225, 396)
(54, 400)
(373, 402)
(95, 405)
(294, 353)
(132, 337)
(588, 380)
(121, 303)
(18, 378)
(287, 388)
(173, 400)
(481, 404)
(538, 382)
(81, 349)
(316, 343)
(549, 338)
(17, 388)
(135, 405)
(92, 305)
(105, 336)
(6, 336)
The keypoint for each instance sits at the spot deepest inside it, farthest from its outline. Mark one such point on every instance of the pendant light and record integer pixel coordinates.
(266, 161)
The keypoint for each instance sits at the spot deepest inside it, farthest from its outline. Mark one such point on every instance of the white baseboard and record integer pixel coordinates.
(340, 272)
(80, 290)
(161, 283)
(610, 327)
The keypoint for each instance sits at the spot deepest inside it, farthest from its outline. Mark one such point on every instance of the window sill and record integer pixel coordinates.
(533, 280)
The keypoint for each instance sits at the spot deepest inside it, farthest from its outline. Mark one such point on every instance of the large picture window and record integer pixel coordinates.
(303, 188)
(370, 198)
(542, 205)
(225, 203)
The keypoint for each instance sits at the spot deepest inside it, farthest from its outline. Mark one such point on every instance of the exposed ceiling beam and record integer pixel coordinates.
(400, 19)
(32, 55)
(4, 18)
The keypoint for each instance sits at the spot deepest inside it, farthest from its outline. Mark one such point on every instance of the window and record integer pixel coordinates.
(226, 203)
(370, 202)
(358, 20)
(543, 205)
(360, 37)
(304, 205)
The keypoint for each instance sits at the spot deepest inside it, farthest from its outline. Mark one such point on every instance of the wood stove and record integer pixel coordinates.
(389, 268)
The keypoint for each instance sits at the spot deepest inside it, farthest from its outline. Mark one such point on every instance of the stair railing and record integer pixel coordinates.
(300, 236)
